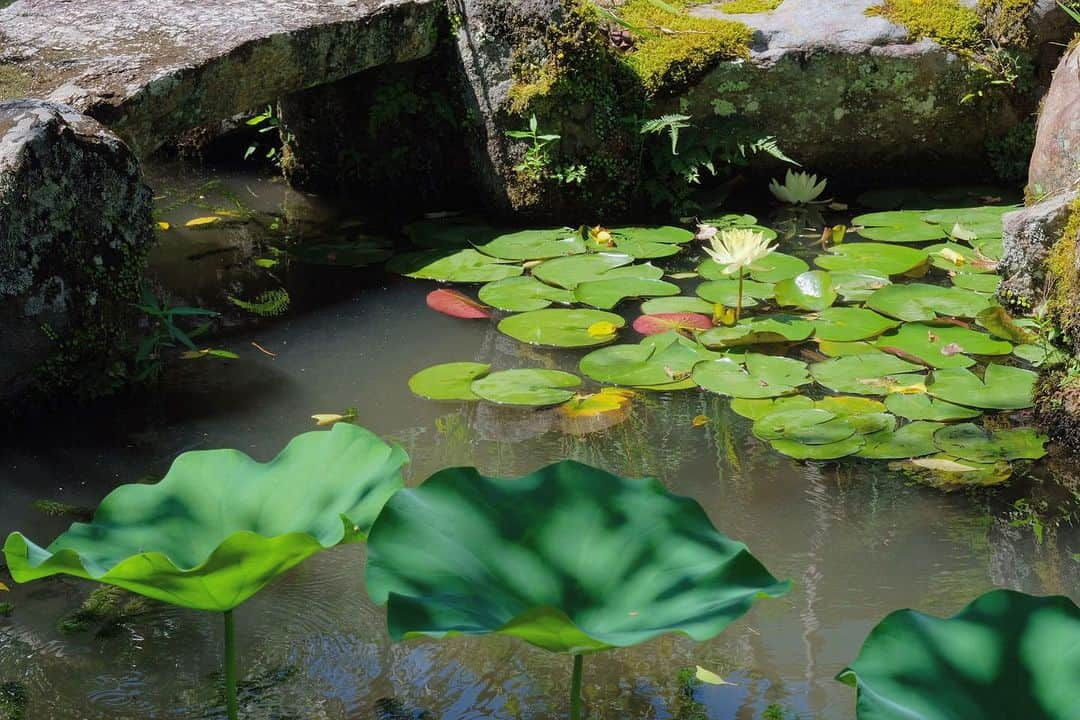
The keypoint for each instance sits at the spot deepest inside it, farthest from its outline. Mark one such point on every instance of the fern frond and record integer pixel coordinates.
(267, 304)
(671, 124)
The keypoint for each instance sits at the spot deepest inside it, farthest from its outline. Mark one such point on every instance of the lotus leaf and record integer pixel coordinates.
(1002, 388)
(569, 272)
(768, 329)
(571, 559)
(982, 221)
(986, 284)
(808, 427)
(998, 321)
(560, 328)
(831, 451)
(924, 407)
(526, 387)
(876, 258)
(960, 259)
(658, 360)
(811, 290)
(1006, 655)
(898, 226)
(609, 292)
(343, 254)
(856, 286)
(912, 440)
(451, 234)
(644, 243)
(867, 374)
(521, 294)
(535, 244)
(220, 526)
(846, 349)
(842, 324)
(655, 234)
(456, 305)
(731, 220)
(776, 267)
(1034, 354)
(462, 266)
(942, 347)
(919, 302)
(971, 442)
(448, 381)
(726, 292)
(683, 322)
(947, 472)
(755, 409)
(865, 415)
(681, 304)
(751, 376)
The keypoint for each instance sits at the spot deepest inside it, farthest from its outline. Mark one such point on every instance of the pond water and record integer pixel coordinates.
(857, 539)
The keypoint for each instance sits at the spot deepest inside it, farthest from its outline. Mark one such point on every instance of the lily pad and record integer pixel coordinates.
(556, 327)
(756, 331)
(534, 244)
(831, 451)
(645, 243)
(971, 442)
(846, 349)
(868, 374)
(1006, 655)
(726, 292)
(463, 266)
(682, 322)
(984, 221)
(916, 302)
(876, 258)
(569, 272)
(751, 376)
(998, 321)
(865, 415)
(960, 259)
(448, 381)
(842, 324)
(521, 294)
(808, 427)
(450, 234)
(680, 304)
(755, 409)
(987, 284)
(947, 472)
(812, 290)
(915, 439)
(666, 234)
(924, 407)
(657, 360)
(858, 286)
(775, 267)
(1002, 387)
(608, 293)
(526, 387)
(539, 558)
(898, 226)
(942, 347)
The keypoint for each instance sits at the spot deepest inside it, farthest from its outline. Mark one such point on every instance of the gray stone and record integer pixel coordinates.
(1055, 164)
(1029, 234)
(150, 69)
(75, 225)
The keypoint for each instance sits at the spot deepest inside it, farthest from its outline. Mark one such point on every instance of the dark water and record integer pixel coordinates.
(857, 539)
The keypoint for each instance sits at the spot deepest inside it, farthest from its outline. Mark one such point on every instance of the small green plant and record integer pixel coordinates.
(996, 67)
(164, 334)
(669, 124)
(538, 163)
(267, 121)
(1072, 9)
(1026, 514)
(267, 304)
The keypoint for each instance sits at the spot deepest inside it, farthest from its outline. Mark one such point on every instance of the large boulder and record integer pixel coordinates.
(1055, 164)
(75, 226)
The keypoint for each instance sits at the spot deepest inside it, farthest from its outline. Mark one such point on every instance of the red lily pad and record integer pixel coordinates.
(663, 322)
(455, 304)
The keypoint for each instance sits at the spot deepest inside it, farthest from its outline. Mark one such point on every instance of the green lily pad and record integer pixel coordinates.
(812, 290)
(843, 324)
(658, 360)
(918, 302)
(539, 558)
(987, 284)
(985, 221)
(876, 258)
(751, 376)
(942, 347)
(846, 349)
(971, 442)
(526, 387)
(666, 234)
(948, 472)
(462, 266)
(569, 272)
(645, 243)
(998, 321)
(1006, 655)
(1037, 355)
(808, 427)
(220, 526)
(756, 331)
(726, 292)
(960, 259)
(534, 244)
(858, 286)
(898, 226)
(556, 327)
(1002, 388)
(865, 415)
(757, 408)
(915, 439)
(450, 234)
(448, 381)
(775, 267)
(731, 220)
(608, 293)
(924, 407)
(521, 294)
(681, 304)
(831, 451)
(868, 374)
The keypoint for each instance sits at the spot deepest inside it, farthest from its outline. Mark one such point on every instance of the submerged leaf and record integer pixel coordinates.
(457, 305)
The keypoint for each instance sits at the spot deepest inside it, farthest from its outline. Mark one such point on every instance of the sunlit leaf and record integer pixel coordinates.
(448, 381)
(526, 387)
(562, 328)
(456, 304)
(686, 322)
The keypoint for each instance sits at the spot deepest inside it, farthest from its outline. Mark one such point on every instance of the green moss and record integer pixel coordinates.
(675, 48)
(750, 6)
(948, 22)
(106, 606)
(14, 81)
(1006, 22)
(52, 508)
(1063, 303)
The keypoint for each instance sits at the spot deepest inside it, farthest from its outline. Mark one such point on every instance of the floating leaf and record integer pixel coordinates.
(603, 330)
(709, 677)
(977, 222)
(680, 304)
(590, 584)
(971, 442)
(768, 329)
(645, 243)
(585, 414)
(609, 292)
(751, 376)
(812, 290)
(448, 381)
(858, 286)
(868, 374)
(526, 387)
(450, 234)
(660, 323)
(924, 407)
(865, 415)
(521, 294)
(998, 321)
(457, 305)
(898, 226)
(1003, 387)
(876, 258)
(1006, 655)
(726, 292)
(942, 347)
(845, 349)
(960, 259)
(699, 421)
(534, 244)
(774, 267)
(755, 409)
(328, 419)
(162, 225)
(986, 284)
(920, 302)
(831, 451)
(946, 472)
(560, 328)
(463, 266)
(808, 427)
(202, 222)
(912, 440)
(657, 361)
(569, 272)
(842, 324)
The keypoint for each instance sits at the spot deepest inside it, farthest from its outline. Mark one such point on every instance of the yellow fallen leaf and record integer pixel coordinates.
(952, 256)
(324, 419)
(700, 420)
(4, 588)
(608, 400)
(708, 676)
(914, 389)
(602, 329)
(941, 465)
(202, 221)
(838, 233)
(162, 225)
(723, 315)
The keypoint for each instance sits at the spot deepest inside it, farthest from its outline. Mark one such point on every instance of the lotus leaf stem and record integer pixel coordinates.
(738, 301)
(575, 689)
(230, 667)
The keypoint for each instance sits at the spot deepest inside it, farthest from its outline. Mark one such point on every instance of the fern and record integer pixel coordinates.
(765, 145)
(267, 304)
(671, 124)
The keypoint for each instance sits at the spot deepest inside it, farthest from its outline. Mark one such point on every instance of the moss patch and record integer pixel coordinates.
(1064, 301)
(1006, 22)
(946, 21)
(14, 81)
(750, 6)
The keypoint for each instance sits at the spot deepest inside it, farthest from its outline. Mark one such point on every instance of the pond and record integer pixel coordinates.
(858, 538)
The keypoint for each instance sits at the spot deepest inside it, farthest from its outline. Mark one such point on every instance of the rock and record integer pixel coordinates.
(150, 70)
(1055, 164)
(75, 226)
(1029, 234)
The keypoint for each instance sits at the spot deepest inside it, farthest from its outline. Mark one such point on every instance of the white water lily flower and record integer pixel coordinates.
(799, 188)
(738, 248)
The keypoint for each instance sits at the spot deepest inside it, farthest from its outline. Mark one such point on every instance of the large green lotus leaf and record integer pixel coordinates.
(843, 324)
(731, 220)
(846, 349)
(560, 328)
(866, 374)
(987, 284)
(220, 526)
(535, 244)
(657, 360)
(569, 272)
(675, 305)
(463, 266)
(755, 331)
(571, 559)
(831, 451)
(526, 387)
(809, 427)
(521, 294)
(942, 347)
(1002, 387)
(971, 442)
(773, 268)
(726, 292)
(811, 290)
(448, 381)
(755, 409)
(608, 293)
(912, 440)
(876, 258)
(924, 407)
(984, 221)
(948, 472)
(919, 302)
(450, 234)
(856, 286)
(1005, 656)
(960, 259)
(645, 243)
(655, 234)
(751, 376)
(865, 415)
(898, 226)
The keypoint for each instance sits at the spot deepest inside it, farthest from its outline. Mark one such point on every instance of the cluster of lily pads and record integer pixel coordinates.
(891, 347)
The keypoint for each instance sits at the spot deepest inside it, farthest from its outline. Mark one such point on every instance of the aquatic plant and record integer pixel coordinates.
(737, 250)
(220, 526)
(570, 559)
(799, 188)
